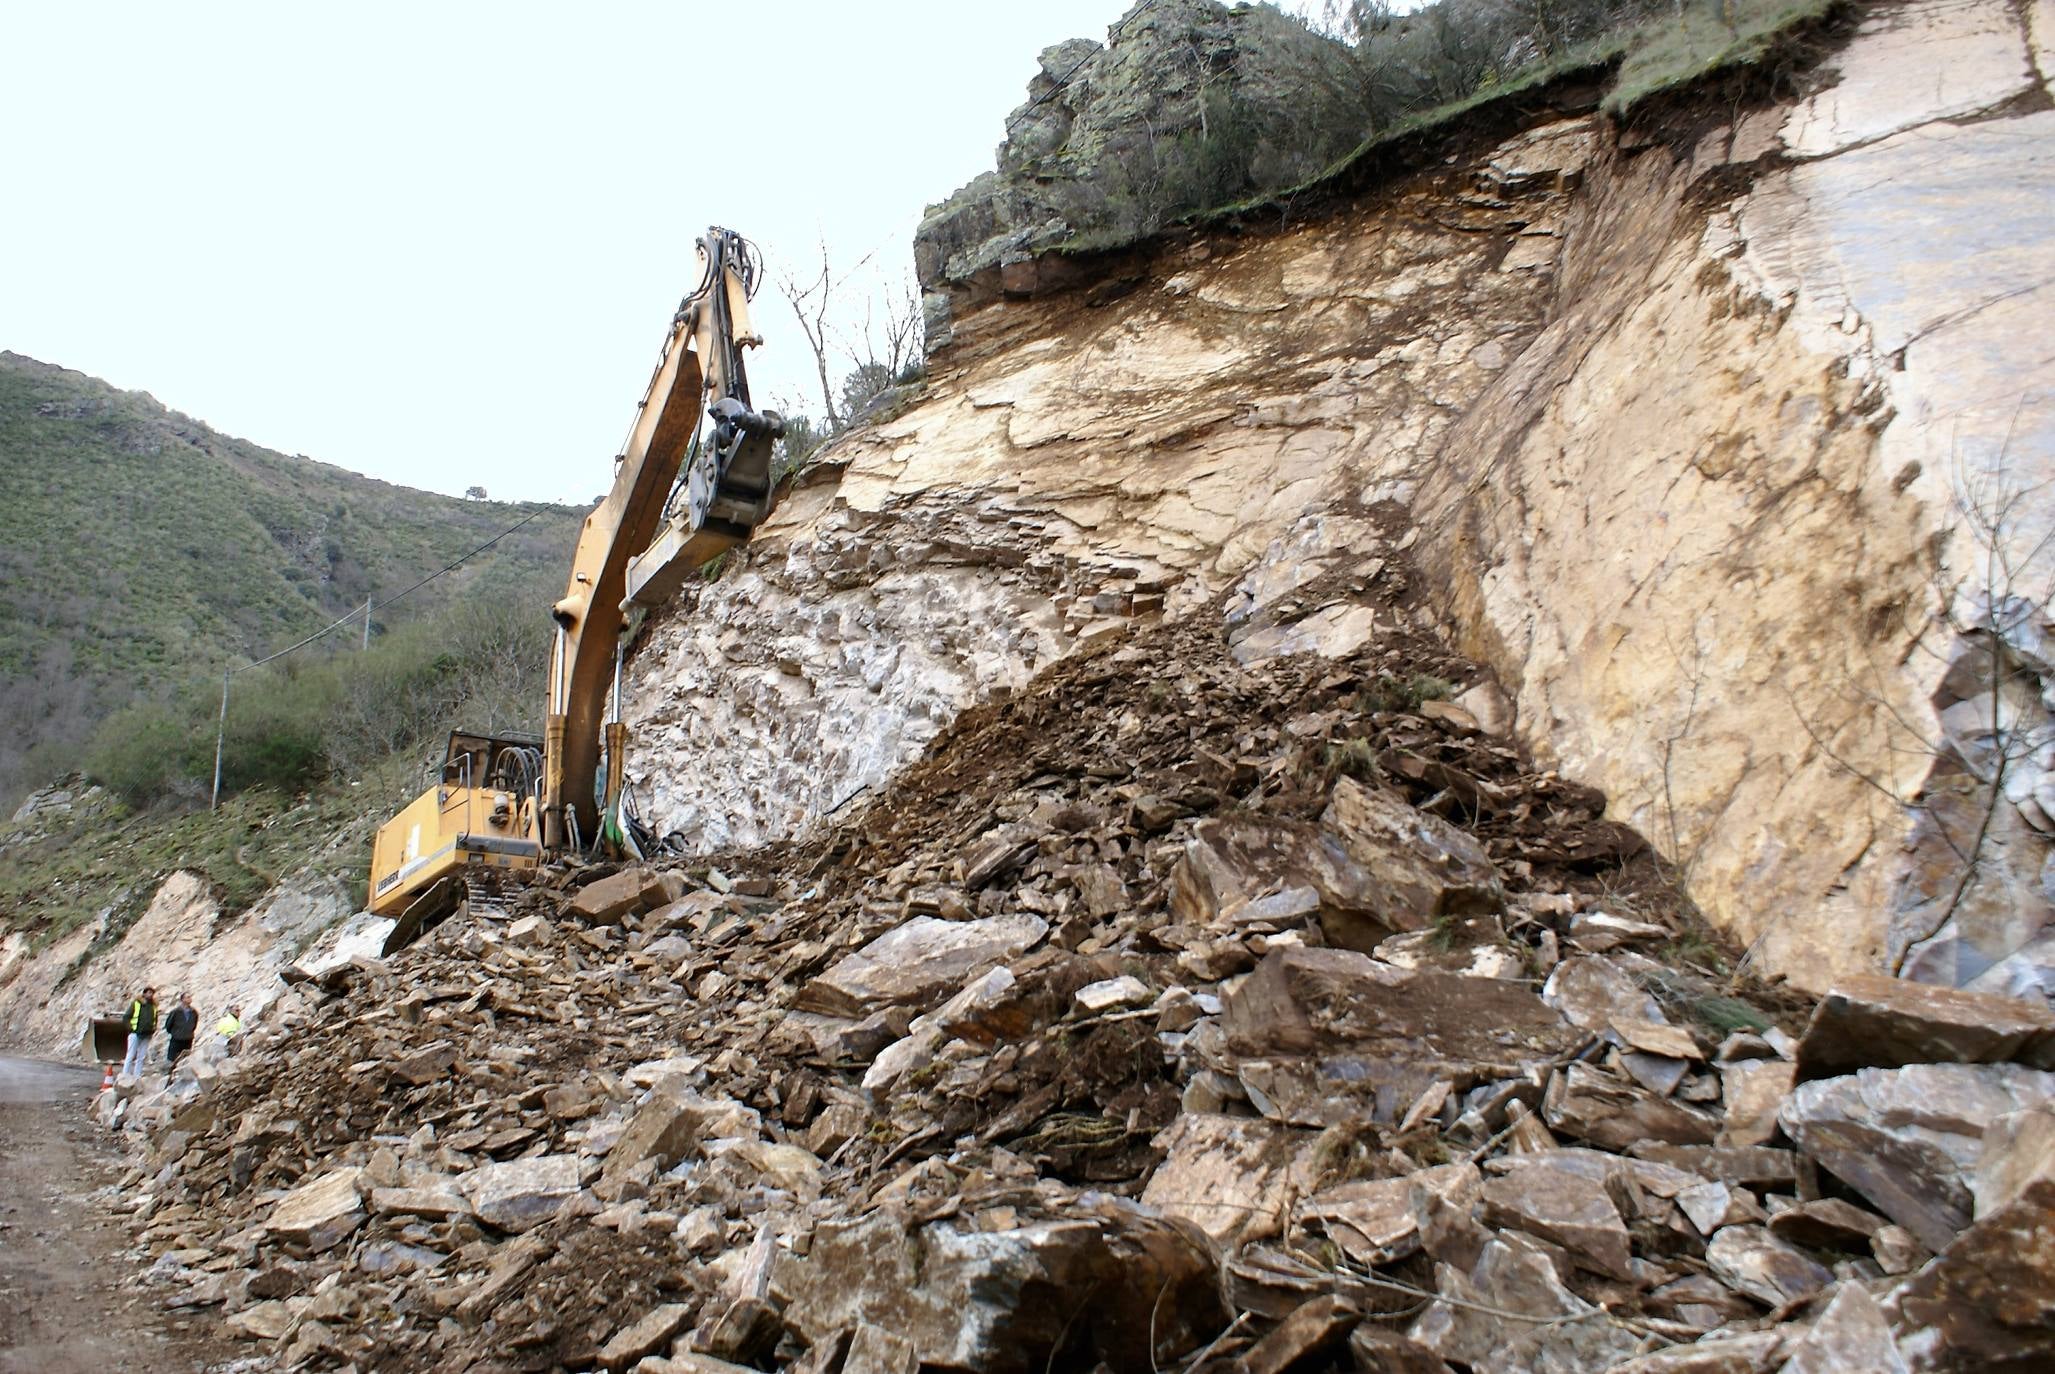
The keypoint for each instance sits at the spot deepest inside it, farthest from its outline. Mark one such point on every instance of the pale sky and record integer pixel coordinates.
(440, 243)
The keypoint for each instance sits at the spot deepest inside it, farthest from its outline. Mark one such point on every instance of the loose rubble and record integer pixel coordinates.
(1172, 1014)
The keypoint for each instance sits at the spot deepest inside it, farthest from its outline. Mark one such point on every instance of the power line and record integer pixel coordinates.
(221, 722)
(371, 606)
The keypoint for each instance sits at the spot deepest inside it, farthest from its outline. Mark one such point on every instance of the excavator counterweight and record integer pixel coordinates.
(505, 803)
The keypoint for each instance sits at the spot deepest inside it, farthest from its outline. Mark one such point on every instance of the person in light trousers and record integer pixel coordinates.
(142, 1024)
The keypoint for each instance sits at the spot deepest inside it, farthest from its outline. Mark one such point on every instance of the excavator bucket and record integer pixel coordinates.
(728, 494)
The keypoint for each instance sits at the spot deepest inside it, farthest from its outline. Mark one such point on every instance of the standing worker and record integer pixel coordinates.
(179, 1026)
(230, 1028)
(142, 1024)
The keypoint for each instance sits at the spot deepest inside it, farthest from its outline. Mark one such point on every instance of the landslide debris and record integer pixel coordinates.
(1172, 1013)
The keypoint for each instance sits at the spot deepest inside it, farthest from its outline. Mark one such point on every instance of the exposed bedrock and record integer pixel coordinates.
(1723, 449)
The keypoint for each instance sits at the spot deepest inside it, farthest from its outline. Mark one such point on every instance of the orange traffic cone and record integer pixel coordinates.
(107, 1078)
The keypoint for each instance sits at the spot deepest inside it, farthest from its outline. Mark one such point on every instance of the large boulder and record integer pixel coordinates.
(1565, 1207)
(663, 1129)
(522, 1193)
(1512, 1279)
(1425, 869)
(318, 1214)
(1374, 865)
(1869, 1021)
(1987, 1301)
(1256, 866)
(919, 963)
(1231, 1176)
(607, 900)
(1909, 1139)
(1322, 1034)
(1099, 1286)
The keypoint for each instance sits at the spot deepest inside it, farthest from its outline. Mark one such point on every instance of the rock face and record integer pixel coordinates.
(180, 941)
(1462, 368)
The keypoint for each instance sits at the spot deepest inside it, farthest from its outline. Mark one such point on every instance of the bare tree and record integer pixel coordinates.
(810, 303)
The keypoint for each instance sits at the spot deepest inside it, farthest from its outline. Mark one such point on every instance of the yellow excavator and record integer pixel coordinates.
(693, 480)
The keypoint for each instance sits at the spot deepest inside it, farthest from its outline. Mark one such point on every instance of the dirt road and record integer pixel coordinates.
(63, 1309)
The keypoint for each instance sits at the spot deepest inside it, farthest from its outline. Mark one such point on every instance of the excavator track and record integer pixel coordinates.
(490, 893)
(487, 893)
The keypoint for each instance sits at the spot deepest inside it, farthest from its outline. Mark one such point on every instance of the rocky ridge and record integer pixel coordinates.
(1094, 138)
(1170, 1013)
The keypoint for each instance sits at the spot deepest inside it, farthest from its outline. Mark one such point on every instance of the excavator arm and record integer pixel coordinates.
(629, 554)
(500, 807)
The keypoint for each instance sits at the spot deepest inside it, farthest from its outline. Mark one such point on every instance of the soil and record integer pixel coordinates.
(64, 1256)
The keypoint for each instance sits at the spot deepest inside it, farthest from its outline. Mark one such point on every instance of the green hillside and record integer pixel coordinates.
(141, 551)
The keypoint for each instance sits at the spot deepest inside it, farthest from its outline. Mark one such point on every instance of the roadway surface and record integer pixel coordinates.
(63, 1254)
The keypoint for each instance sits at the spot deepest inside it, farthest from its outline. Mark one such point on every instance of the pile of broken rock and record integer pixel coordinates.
(1171, 1015)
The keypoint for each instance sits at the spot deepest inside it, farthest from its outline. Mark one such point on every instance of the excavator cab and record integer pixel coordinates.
(480, 814)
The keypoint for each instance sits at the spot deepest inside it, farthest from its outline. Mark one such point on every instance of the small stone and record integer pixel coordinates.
(264, 1321)
(1827, 1224)
(1657, 1037)
(1896, 1251)
(1124, 991)
(646, 1335)
(529, 931)
(1751, 1260)
(1313, 1330)
(522, 1193)
(1177, 1010)
(1610, 1114)
(874, 1350)
(1597, 931)
(1754, 1090)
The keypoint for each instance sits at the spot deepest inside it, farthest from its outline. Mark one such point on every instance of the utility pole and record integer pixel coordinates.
(367, 622)
(220, 734)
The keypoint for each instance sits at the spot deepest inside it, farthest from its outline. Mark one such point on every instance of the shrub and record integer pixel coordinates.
(140, 751)
(481, 664)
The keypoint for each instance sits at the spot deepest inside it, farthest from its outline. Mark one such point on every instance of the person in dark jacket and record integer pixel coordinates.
(142, 1024)
(179, 1026)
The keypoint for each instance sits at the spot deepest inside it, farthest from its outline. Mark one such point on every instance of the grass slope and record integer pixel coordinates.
(141, 551)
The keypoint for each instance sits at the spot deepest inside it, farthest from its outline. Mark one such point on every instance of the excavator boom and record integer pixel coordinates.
(636, 548)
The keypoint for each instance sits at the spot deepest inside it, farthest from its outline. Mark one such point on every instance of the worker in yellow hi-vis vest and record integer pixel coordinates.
(230, 1029)
(142, 1024)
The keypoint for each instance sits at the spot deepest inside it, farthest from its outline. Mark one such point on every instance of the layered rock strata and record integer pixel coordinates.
(1717, 440)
